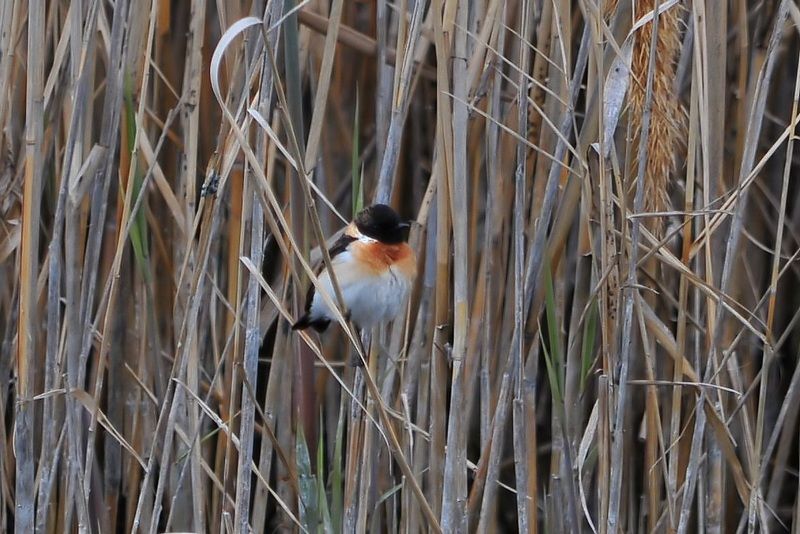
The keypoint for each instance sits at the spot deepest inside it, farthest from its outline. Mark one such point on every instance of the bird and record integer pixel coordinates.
(374, 267)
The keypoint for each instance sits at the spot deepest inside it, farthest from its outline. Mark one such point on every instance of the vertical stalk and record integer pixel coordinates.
(24, 411)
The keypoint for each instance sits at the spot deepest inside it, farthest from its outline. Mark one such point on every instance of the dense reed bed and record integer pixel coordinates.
(603, 335)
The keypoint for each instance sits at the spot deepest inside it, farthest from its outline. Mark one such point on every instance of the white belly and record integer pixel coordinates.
(371, 300)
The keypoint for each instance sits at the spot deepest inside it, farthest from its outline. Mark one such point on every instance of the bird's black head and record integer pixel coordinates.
(381, 222)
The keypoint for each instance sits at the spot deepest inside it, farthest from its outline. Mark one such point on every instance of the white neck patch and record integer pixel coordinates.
(366, 239)
(361, 238)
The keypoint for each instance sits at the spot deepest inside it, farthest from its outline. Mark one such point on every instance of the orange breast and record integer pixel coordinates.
(377, 257)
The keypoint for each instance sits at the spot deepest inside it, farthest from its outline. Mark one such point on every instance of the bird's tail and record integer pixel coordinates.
(306, 320)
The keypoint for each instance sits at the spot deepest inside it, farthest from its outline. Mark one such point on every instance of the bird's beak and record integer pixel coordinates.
(404, 225)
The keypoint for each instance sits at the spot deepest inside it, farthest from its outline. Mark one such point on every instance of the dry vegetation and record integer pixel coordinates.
(604, 332)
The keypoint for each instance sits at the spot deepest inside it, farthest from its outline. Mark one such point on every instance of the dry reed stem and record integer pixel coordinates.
(144, 338)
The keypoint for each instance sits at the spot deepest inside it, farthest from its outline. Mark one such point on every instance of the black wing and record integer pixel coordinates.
(340, 245)
(337, 248)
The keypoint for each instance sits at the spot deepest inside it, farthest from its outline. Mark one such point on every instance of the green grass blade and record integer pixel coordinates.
(554, 360)
(322, 497)
(337, 512)
(587, 344)
(138, 232)
(356, 169)
(307, 484)
(552, 377)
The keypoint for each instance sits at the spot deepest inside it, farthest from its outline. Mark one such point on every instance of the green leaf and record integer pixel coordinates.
(552, 377)
(307, 484)
(337, 506)
(587, 344)
(322, 497)
(357, 172)
(138, 233)
(554, 357)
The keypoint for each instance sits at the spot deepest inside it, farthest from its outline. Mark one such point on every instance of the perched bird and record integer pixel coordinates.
(374, 268)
